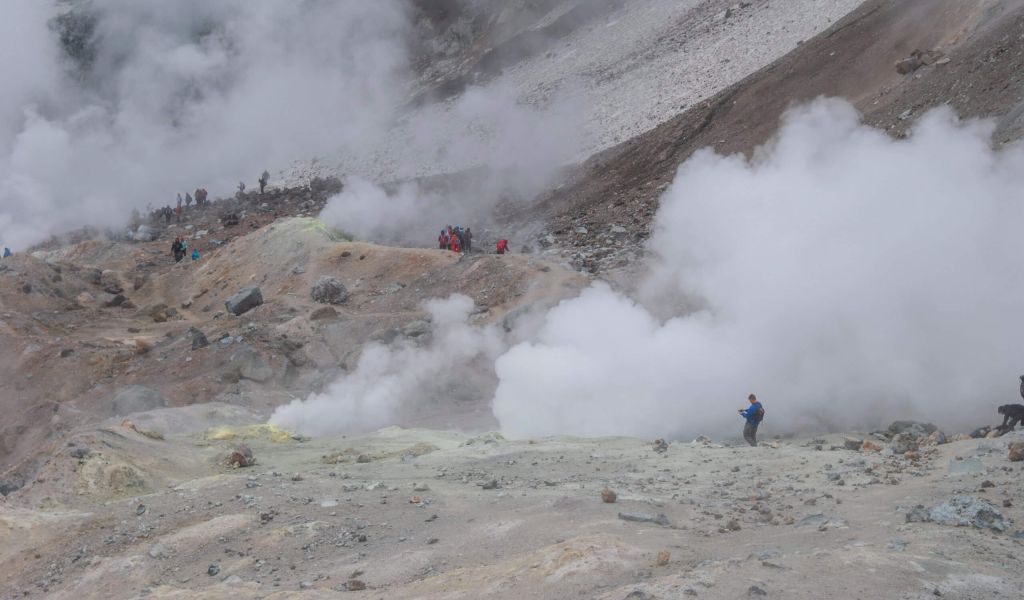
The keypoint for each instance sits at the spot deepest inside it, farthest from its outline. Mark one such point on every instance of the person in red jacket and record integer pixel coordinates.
(442, 240)
(455, 247)
(503, 247)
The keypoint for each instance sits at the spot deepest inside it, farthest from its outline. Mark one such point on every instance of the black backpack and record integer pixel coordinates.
(760, 414)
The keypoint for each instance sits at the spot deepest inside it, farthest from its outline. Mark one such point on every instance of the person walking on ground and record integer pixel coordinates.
(455, 246)
(264, 178)
(467, 240)
(753, 414)
(195, 254)
(502, 247)
(7, 252)
(442, 240)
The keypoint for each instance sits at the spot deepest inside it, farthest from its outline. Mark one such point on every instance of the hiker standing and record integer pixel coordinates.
(264, 178)
(455, 246)
(7, 252)
(753, 414)
(195, 254)
(188, 199)
(442, 240)
(502, 247)
(467, 240)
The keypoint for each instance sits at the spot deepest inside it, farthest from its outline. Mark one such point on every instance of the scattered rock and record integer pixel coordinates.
(355, 585)
(212, 570)
(608, 496)
(756, 591)
(80, 452)
(328, 290)
(663, 558)
(660, 446)
(491, 485)
(639, 517)
(245, 300)
(821, 521)
(732, 525)
(144, 233)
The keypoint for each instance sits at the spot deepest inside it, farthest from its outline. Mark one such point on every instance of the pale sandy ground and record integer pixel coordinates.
(142, 517)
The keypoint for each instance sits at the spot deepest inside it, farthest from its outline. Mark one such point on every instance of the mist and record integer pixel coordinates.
(165, 97)
(845, 277)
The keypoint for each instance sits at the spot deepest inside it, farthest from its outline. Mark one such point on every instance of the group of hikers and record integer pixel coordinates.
(166, 212)
(179, 248)
(460, 240)
(456, 239)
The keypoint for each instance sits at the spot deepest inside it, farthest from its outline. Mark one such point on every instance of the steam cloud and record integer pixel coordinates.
(845, 277)
(388, 379)
(149, 99)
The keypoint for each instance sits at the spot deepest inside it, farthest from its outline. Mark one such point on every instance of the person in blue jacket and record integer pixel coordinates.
(753, 414)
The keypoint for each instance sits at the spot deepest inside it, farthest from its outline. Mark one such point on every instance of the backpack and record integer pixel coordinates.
(759, 415)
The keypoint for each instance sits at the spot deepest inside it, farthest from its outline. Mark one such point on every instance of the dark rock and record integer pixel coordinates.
(756, 591)
(212, 570)
(328, 290)
(136, 398)
(902, 443)
(354, 585)
(245, 300)
(198, 339)
(916, 428)
(639, 517)
(80, 452)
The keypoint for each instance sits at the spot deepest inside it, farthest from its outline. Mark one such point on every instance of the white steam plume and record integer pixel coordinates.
(508, 152)
(388, 379)
(164, 97)
(845, 277)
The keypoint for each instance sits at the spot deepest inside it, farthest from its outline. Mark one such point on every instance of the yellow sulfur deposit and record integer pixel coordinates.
(270, 432)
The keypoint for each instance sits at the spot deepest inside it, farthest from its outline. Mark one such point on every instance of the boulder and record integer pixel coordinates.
(915, 428)
(902, 443)
(324, 313)
(851, 443)
(245, 300)
(967, 511)
(1016, 452)
(136, 398)
(328, 290)
(240, 456)
(249, 364)
(934, 438)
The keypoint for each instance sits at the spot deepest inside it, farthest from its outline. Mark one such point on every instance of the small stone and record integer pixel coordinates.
(355, 585)
(853, 443)
(212, 570)
(987, 484)
(663, 558)
(608, 496)
(415, 500)
(491, 485)
(328, 290)
(732, 525)
(140, 509)
(756, 591)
